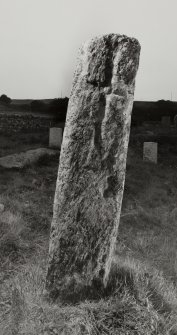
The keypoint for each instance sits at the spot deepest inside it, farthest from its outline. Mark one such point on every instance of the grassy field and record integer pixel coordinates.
(143, 295)
(13, 143)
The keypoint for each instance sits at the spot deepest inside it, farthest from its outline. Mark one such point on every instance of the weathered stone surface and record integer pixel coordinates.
(1, 208)
(55, 137)
(23, 159)
(91, 174)
(150, 152)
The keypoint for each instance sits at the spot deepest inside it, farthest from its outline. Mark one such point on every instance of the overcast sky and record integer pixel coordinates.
(39, 41)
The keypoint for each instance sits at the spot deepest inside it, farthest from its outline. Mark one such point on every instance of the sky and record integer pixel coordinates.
(39, 42)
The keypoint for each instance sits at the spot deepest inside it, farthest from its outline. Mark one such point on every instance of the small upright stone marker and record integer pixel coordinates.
(55, 137)
(166, 121)
(175, 121)
(92, 166)
(150, 152)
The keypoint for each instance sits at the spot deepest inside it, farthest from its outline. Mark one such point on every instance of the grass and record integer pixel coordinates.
(23, 141)
(142, 294)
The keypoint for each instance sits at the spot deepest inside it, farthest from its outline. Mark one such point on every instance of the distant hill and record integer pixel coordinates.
(153, 110)
(28, 101)
(56, 108)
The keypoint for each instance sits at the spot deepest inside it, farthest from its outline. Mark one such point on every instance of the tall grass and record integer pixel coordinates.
(141, 297)
(142, 302)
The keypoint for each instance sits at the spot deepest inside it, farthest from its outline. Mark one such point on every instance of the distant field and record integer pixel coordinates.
(142, 110)
(21, 101)
(27, 101)
(15, 103)
(144, 299)
(12, 143)
(54, 108)
(21, 107)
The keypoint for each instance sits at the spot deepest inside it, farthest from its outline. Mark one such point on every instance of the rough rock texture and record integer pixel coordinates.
(23, 159)
(1, 208)
(91, 174)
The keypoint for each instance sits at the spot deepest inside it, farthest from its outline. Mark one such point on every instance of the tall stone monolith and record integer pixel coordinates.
(92, 166)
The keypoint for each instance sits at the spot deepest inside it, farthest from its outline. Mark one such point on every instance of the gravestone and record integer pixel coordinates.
(91, 174)
(175, 121)
(150, 152)
(55, 137)
(166, 121)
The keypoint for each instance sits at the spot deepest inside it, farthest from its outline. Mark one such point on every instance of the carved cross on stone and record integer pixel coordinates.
(92, 166)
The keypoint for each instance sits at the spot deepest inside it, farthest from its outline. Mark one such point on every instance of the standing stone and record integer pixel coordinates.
(150, 152)
(92, 166)
(55, 137)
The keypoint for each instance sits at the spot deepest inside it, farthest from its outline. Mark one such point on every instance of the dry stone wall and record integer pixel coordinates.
(12, 123)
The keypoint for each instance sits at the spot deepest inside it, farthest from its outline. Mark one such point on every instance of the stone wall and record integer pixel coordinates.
(24, 122)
